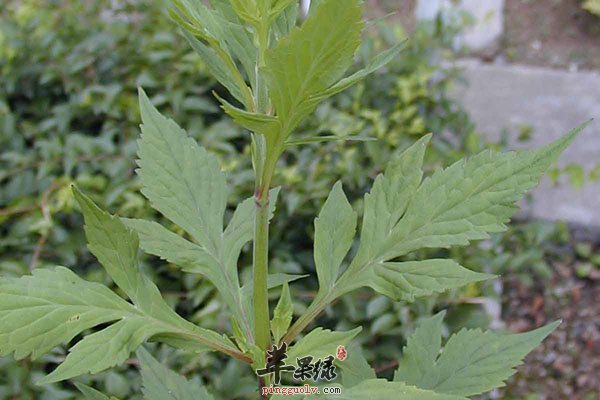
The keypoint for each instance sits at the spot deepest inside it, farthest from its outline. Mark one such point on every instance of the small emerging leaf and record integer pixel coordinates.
(282, 315)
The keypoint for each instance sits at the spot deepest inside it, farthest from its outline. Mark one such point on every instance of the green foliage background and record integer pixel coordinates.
(68, 113)
(592, 6)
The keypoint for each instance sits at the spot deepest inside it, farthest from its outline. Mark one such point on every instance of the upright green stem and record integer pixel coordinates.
(261, 95)
(261, 222)
(261, 268)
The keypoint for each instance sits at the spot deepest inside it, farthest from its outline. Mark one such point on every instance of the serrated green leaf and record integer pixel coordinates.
(161, 383)
(355, 368)
(312, 58)
(266, 125)
(91, 393)
(161, 242)
(455, 205)
(388, 199)
(472, 362)
(105, 349)
(158, 240)
(187, 185)
(282, 315)
(321, 343)
(51, 307)
(471, 198)
(218, 68)
(221, 270)
(180, 178)
(378, 62)
(116, 248)
(286, 21)
(334, 233)
(411, 279)
(421, 351)
(218, 40)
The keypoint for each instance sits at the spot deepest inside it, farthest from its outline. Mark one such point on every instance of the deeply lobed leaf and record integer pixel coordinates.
(471, 198)
(472, 362)
(180, 178)
(52, 306)
(464, 202)
(186, 184)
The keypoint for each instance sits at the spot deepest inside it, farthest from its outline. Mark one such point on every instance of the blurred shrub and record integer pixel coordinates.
(592, 6)
(68, 114)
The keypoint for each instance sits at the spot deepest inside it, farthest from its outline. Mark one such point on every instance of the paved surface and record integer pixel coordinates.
(500, 97)
(488, 19)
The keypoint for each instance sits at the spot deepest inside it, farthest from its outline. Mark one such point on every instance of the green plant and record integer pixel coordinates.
(288, 75)
(69, 116)
(592, 6)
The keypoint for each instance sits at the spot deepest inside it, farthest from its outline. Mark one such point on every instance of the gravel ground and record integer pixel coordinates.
(567, 365)
(551, 33)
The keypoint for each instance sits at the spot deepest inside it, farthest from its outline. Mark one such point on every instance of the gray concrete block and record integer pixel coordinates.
(488, 15)
(488, 28)
(552, 102)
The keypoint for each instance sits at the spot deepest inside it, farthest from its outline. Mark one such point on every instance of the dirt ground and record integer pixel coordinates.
(551, 33)
(567, 365)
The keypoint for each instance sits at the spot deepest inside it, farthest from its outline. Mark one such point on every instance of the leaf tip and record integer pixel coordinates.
(46, 380)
